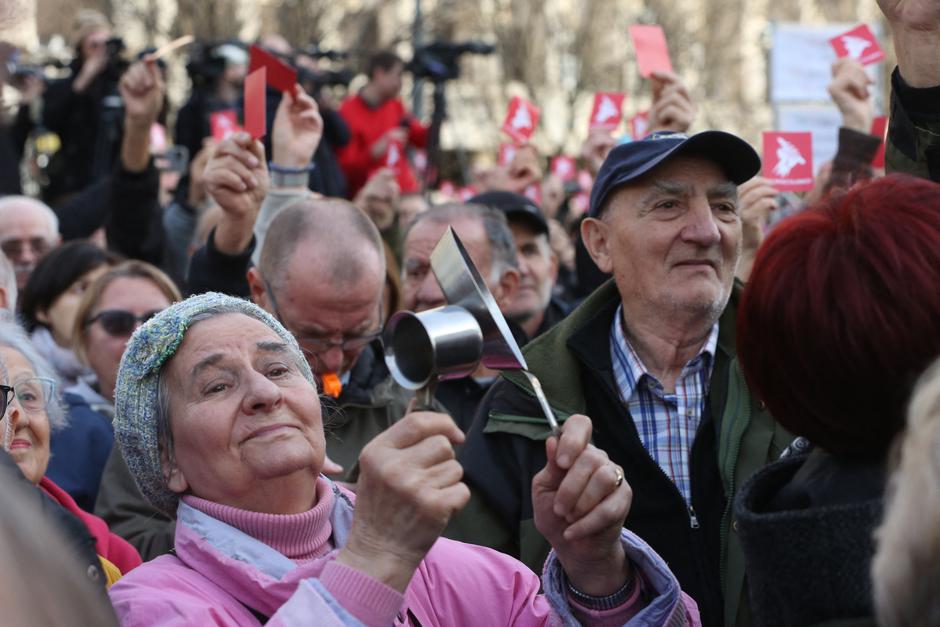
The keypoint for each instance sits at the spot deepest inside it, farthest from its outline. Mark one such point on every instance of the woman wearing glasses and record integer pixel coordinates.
(113, 306)
(31, 409)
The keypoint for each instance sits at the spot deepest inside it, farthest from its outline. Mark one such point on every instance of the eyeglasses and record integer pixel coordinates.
(14, 248)
(120, 322)
(317, 345)
(32, 394)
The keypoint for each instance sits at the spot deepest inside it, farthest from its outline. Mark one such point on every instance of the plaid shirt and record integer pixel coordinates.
(666, 422)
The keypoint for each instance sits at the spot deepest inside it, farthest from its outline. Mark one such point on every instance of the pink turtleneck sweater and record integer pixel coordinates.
(304, 537)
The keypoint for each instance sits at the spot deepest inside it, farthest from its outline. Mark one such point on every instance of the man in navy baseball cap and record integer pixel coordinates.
(649, 356)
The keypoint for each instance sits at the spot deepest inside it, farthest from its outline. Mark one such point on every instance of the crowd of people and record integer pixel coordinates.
(200, 426)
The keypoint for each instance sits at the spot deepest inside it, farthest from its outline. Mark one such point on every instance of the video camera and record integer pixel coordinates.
(437, 61)
(206, 65)
(114, 50)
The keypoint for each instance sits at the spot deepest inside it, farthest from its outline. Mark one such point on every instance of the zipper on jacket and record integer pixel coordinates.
(693, 519)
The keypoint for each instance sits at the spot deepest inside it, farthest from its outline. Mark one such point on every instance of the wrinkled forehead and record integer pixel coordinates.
(685, 174)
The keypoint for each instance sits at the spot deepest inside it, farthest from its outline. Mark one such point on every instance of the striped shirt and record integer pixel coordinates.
(666, 422)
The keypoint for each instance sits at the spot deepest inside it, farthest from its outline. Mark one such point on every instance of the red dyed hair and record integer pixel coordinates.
(842, 313)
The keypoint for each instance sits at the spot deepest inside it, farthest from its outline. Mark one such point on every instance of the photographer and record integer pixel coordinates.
(376, 118)
(85, 109)
(15, 121)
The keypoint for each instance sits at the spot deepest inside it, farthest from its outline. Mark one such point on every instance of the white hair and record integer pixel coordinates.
(8, 281)
(12, 202)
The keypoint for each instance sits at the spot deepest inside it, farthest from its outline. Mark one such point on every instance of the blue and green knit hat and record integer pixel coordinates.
(135, 395)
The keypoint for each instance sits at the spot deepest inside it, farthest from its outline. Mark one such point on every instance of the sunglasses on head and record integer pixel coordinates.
(120, 322)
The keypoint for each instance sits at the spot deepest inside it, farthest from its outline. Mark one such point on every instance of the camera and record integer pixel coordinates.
(114, 50)
(437, 61)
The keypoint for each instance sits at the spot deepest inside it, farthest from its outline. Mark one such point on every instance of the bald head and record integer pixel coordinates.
(341, 239)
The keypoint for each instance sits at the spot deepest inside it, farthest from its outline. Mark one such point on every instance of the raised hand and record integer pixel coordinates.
(595, 148)
(757, 200)
(297, 130)
(142, 90)
(409, 486)
(236, 177)
(379, 198)
(850, 91)
(580, 501)
(673, 108)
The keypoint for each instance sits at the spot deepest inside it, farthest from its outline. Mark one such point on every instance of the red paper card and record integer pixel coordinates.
(397, 160)
(585, 180)
(859, 44)
(607, 110)
(223, 124)
(564, 168)
(281, 76)
(507, 153)
(788, 160)
(255, 122)
(879, 128)
(639, 125)
(534, 193)
(652, 53)
(521, 120)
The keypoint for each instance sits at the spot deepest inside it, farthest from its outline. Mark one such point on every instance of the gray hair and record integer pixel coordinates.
(502, 243)
(904, 570)
(13, 336)
(8, 281)
(162, 417)
(9, 202)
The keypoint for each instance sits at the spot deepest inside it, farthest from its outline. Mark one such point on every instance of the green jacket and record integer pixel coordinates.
(747, 438)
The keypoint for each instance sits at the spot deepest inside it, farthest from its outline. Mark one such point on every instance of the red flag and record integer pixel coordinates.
(521, 119)
(607, 110)
(564, 168)
(788, 160)
(255, 122)
(652, 53)
(859, 44)
(281, 76)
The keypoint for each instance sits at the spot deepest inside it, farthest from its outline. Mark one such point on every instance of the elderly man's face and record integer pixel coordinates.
(420, 290)
(25, 237)
(538, 266)
(672, 240)
(243, 417)
(332, 323)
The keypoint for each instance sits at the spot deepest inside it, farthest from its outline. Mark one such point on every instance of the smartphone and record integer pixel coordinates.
(173, 159)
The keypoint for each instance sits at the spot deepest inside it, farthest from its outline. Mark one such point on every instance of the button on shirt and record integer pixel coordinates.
(666, 422)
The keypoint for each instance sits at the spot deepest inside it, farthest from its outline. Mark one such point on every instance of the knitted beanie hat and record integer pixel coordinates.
(135, 395)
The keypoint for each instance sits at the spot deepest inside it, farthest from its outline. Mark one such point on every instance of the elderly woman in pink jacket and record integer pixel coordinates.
(219, 421)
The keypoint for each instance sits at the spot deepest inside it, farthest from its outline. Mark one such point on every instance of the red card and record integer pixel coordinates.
(564, 168)
(580, 203)
(223, 124)
(788, 160)
(255, 122)
(859, 44)
(640, 125)
(652, 54)
(397, 160)
(281, 76)
(507, 153)
(521, 120)
(607, 111)
(466, 192)
(879, 128)
(585, 180)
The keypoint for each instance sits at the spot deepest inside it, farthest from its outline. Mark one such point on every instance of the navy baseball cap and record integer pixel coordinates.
(515, 206)
(627, 162)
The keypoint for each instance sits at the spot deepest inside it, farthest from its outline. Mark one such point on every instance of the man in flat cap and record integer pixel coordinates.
(650, 357)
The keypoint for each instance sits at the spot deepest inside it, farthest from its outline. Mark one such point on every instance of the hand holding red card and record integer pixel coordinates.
(564, 168)
(281, 76)
(639, 125)
(788, 160)
(652, 53)
(859, 44)
(223, 124)
(521, 119)
(607, 110)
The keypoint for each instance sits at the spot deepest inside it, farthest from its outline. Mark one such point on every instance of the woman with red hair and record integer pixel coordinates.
(841, 315)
